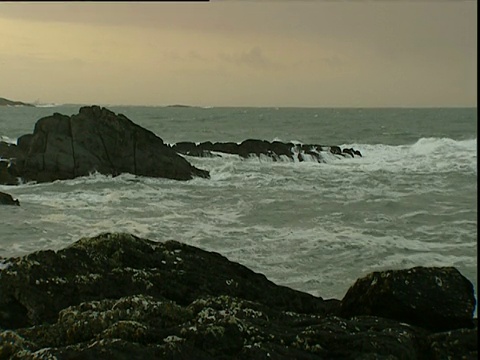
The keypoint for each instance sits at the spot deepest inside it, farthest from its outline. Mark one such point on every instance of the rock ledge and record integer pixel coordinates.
(122, 297)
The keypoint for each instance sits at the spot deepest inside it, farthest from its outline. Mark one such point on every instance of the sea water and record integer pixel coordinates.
(411, 200)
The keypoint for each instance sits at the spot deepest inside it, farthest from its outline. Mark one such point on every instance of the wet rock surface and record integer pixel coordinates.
(421, 296)
(96, 139)
(7, 199)
(275, 150)
(116, 296)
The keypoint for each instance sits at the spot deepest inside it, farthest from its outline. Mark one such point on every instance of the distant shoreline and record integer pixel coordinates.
(6, 102)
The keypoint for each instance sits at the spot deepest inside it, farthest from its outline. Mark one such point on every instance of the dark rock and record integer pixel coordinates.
(455, 344)
(116, 296)
(23, 142)
(435, 298)
(226, 147)
(336, 150)
(7, 199)
(96, 139)
(7, 173)
(254, 147)
(350, 152)
(8, 151)
(191, 149)
(116, 265)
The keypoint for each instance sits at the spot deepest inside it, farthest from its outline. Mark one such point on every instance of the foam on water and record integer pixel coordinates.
(8, 140)
(425, 155)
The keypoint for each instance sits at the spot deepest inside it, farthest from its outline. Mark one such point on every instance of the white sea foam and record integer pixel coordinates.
(8, 140)
(47, 105)
(425, 155)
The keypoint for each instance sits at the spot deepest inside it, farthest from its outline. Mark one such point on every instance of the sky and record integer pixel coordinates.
(349, 53)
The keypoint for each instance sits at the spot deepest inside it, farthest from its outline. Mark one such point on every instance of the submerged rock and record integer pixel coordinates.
(7, 199)
(95, 139)
(117, 296)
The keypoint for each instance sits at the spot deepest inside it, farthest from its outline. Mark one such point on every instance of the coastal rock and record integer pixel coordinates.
(7, 199)
(8, 151)
(116, 265)
(96, 139)
(254, 147)
(121, 297)
(419, 296)
(7, 172)
(8, 155)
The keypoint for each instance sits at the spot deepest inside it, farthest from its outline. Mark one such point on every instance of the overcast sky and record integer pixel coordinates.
(241, 53)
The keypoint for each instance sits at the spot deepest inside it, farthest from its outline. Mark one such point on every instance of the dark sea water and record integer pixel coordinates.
(410, 200)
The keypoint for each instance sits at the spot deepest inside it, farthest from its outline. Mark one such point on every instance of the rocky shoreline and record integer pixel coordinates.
(117, 296)
(97, 140)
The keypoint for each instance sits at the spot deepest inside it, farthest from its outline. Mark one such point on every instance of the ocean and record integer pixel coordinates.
(411, 200)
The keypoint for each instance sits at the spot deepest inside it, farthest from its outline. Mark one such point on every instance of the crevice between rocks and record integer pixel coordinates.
(73, 148)
(114, 171)
(135, 153)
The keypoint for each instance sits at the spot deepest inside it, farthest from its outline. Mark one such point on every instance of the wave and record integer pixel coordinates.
(426, 154)
(47, 105)
(7, 139)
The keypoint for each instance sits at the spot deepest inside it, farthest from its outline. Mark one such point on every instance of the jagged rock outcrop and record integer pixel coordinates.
(122, 297)
(7, 199)
(96, 139)
(252, 147)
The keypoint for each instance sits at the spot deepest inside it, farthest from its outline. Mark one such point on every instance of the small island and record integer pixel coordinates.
(179, 106)
(6, 102)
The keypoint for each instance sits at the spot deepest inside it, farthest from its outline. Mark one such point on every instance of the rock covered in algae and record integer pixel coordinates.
(116, 296)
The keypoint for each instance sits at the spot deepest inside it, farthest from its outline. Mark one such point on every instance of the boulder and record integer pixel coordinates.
(117, 296)
(7, 199)
(437, 298)
(95, 139)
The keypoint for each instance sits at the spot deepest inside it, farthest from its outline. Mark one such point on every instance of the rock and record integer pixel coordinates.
(7, 199)
(438, 299)
(253, 147)
(7, 173)
(455, 344)
(350, 152)
(116, 265)
(96, 139)
(336, 150)
(191, 149)
(8, 151)
(116, 296)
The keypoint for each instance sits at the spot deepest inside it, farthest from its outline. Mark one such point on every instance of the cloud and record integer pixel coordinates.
(254, 58)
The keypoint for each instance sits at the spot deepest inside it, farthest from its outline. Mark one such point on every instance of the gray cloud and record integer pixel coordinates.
(416, 48)
(253, 58)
